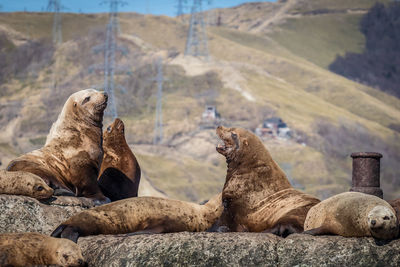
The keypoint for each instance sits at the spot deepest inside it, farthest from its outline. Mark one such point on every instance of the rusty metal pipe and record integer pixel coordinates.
(366, 173)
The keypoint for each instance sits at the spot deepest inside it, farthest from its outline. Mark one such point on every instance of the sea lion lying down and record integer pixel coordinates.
(257, 196)
(353, 214)
(150, 214)
(25, 184)
(28, 249)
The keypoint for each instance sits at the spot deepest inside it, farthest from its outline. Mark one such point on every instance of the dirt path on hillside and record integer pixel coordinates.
(275, 18)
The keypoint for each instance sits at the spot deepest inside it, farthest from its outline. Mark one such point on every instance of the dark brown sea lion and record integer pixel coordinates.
(28, 249)
(257, 196)
(396, 206)
(72, 154)
(120, 172)
(353, 214)
(25, 184)
(150, 214)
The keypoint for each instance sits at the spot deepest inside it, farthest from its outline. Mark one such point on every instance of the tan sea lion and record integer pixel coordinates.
(120, 172)
(150, 214)
(72, 154)
(257, 196)
(353, 214)
(24, 183)
(28, 249)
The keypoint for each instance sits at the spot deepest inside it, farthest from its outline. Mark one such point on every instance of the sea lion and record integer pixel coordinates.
(133, 215)
(120, 172)
(28, 249)
(256, 195)
(24, 183)
(353, 214)
(396, 206)
(71, 157)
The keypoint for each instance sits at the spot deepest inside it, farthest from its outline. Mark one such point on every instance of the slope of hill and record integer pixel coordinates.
(266, 59)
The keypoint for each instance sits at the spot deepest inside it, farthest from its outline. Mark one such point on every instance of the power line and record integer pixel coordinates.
(158, 124)
(54, 6)
(109, 49)
(197, 43)
(179, 7)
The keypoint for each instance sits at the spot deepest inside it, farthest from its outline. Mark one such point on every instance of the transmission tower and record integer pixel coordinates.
(196, 43)
(158, 125)
(179, 7)
(109, 48)
(54, 6)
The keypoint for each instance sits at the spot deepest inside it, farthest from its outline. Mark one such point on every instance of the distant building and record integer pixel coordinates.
(274, 127)
(210, 113)
(210, 117)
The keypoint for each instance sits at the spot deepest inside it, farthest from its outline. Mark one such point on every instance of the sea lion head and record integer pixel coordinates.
(67, 253)
(382, 222)
(30, 184)
(114, 131)
(238, 144)
(89, 105)
(40, 190)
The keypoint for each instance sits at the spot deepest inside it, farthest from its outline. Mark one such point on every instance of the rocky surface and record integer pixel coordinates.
(181, 249)
(236, 249)
(24, 214)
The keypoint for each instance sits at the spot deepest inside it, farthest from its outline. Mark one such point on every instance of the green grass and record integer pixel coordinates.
(311, 5)
(38, 141)
(183, 178)
(320, 39)
(39, 25)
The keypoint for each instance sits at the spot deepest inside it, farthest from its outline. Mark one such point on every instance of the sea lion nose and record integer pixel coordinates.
(373, 222)
(105, 95)
(82, 263)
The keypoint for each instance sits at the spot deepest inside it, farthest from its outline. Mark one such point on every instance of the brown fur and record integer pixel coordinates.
(28, 249)
(350, 214)
(71, 157)
(131, 215)
(257, 196)
(24, 183)
(396, 206)
(119, 156)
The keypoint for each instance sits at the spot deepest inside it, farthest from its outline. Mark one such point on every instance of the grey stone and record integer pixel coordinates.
(25, 214)
(181, 249)
(306, 250)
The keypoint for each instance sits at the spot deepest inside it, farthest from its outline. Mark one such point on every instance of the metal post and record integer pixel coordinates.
(366, 173)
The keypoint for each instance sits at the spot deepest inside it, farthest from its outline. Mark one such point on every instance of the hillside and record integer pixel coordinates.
(267, 59)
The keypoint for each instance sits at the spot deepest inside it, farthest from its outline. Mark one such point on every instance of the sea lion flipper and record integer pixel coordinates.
(70, 233)
(66, 231)
(116, 185)
(284, 229)
(318, 231)
(63, 192)
(57, 232)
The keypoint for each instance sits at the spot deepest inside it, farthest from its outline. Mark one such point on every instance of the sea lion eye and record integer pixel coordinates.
(386, 218)
(234, 135)
(86, 100)
(40, 188)
(109, 129)
(65, 257)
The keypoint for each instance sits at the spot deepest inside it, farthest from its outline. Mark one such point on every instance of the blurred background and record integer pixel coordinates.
(315, 79)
